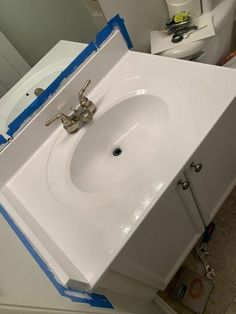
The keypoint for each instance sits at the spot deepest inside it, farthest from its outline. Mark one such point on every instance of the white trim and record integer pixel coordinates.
(29, 310)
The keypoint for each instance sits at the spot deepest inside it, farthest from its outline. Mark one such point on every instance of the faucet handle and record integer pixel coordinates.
(66, 121)
(82, 99)
(86, 85)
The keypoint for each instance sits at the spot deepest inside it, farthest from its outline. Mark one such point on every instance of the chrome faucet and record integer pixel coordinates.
(80, 115)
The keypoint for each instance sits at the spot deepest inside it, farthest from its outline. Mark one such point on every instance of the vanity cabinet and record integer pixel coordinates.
(212, 169)
(164, 239)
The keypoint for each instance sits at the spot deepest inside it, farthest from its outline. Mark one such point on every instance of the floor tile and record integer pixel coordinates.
(177, 307)
(232, 308)
(222, 295)
(222, 257)
(222, 246)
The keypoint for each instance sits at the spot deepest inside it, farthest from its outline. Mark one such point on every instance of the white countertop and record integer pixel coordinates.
(199, 94)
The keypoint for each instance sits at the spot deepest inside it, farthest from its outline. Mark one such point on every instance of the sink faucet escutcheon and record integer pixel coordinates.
(80, 115)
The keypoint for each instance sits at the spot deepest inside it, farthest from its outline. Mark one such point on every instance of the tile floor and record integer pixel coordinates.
(222, 257)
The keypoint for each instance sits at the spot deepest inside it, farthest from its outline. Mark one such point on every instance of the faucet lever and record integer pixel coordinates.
(82, 99)
(64, 119)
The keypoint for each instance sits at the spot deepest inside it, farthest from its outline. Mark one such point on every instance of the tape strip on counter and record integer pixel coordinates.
(2, 140)
(93, 299)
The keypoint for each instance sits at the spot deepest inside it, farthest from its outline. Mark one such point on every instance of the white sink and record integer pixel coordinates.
(114, 146)
(119, 155)
(85, 204)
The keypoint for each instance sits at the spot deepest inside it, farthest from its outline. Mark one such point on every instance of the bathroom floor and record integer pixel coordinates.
(222, 248)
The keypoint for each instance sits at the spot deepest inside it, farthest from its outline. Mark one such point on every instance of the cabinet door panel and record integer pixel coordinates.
(217, 154)
(164, 239)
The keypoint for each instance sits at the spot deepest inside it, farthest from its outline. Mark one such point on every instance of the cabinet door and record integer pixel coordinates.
(163, 240)
(217, 155)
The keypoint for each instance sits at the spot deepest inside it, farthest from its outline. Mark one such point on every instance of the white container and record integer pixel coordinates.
(207, 5)
(192, 6)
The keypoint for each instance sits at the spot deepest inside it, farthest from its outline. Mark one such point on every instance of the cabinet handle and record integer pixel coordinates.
(197, 167)
(185, 184)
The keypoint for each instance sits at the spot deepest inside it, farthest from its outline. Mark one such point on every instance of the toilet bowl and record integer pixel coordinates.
(210, 50)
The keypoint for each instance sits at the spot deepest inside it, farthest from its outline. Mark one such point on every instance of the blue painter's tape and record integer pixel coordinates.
(116, 21)
(119, 22)
(2, 140)
(103, 35)
(87, 52)
(92, 299)
(98, 300)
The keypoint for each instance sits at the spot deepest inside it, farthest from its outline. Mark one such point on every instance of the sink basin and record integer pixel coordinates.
(115, 148)
(125, 144)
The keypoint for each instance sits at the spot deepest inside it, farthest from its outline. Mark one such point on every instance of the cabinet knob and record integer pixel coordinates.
(185, 184)
(197, 167)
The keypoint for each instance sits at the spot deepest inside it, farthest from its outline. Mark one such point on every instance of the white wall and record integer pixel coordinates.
(140, 17)
(234, 34)
(35, 26)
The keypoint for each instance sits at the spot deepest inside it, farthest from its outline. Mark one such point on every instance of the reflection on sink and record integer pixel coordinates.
(15, 102)
(118, 139)
(42, 80)
(40, 76)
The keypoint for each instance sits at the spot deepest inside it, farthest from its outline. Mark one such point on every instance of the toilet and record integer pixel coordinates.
(210, 50)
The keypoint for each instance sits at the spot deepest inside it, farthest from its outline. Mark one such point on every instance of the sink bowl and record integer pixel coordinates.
(123, 149)
(115, 146)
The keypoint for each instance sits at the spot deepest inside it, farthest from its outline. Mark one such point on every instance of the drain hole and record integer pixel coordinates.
(117, 151)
